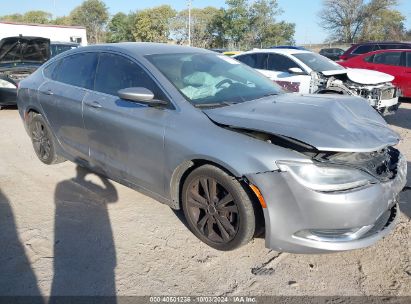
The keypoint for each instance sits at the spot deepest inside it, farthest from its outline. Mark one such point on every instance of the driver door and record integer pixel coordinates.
(126, 138)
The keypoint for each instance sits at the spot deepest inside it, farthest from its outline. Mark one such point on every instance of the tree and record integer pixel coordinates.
(200, 21)
(279, 33)
(216, 28)
(120, 28)
(236, 21)
(92, 14)
(246, 24)
(386, 25)
(347, 20)
(12, 18)
(29, 17)
(64, 20)
(153, 24)
(37, 17)
(262, 22)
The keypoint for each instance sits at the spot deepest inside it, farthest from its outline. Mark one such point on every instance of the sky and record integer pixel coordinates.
(304, 13)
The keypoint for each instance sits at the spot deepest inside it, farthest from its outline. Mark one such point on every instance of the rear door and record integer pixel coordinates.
(61, 98)
(406, 85)
(126, 138)
(393, 63)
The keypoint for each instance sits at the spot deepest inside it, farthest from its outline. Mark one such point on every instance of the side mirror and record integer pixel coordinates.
(140, 95)
(296, 71)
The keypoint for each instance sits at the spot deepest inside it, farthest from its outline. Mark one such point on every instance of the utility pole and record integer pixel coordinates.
(189, 3)
(54, 9)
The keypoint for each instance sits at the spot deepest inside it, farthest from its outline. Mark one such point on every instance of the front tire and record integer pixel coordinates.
(218, 209)
(43, 141)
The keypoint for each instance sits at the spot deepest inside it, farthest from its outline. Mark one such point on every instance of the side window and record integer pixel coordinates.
(78, 70)
(389, 58)
(363, 49)
(408, 59)
(369, 59)
(255, 60)
(261, 61)
(51, 71)
(280, 63)
(247, 59)
(116, 72)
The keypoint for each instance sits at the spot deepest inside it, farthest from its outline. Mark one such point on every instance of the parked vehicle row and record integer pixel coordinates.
(394, 62)
(362, 48)
(205, 133)
(308, 73)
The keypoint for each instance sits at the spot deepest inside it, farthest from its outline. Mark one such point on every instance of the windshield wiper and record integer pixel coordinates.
(214, 105)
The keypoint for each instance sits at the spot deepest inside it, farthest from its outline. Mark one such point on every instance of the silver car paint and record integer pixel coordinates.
(150, 149)
(295, 208)
(343, 124)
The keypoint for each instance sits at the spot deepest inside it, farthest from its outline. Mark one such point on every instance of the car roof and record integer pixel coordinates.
(382, 42)
(64, 43)
(142, 48)
(385, 51)
(278, 51)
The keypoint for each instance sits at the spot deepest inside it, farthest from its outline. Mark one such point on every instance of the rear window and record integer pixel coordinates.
(362, 49)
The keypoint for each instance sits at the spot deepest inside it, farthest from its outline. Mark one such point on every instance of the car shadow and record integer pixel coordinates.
(405, 197)
(84, 249)
(16, 275)
(402, 118)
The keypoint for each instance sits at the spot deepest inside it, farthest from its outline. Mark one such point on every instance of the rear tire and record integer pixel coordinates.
(218, 209)
(43, 141)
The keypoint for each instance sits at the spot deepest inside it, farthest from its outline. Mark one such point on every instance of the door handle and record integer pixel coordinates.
(49, 92)
(94, 104)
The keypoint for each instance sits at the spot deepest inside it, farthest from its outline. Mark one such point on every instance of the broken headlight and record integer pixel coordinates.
(326, 178)
(6, 84)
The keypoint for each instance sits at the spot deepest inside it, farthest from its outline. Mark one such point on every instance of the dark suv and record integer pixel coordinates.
(362, 48)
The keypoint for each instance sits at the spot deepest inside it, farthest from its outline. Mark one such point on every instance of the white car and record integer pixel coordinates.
(310, 73)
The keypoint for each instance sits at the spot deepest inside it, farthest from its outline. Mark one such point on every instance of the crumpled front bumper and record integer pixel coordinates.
(301, 220)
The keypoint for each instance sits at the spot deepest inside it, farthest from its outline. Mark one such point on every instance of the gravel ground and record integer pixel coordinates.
(65, 234)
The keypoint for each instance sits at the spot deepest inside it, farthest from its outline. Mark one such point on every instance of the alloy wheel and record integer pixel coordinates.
(41, 140)
(212, 210)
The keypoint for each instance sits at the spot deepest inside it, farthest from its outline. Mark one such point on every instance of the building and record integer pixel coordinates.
(60, 33)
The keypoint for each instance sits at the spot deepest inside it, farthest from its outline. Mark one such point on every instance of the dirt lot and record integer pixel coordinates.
(63, 234)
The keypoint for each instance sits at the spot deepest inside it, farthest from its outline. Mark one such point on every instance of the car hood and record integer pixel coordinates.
(341, 124)
(362, 76)
(24, 50)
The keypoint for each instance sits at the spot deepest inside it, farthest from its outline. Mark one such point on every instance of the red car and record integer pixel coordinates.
(394, 62)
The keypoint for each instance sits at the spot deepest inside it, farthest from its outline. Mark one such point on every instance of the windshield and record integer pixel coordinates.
(213, 79)
(317, 62)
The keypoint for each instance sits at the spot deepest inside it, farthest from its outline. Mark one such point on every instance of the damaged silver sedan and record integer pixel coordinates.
(207, 134)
